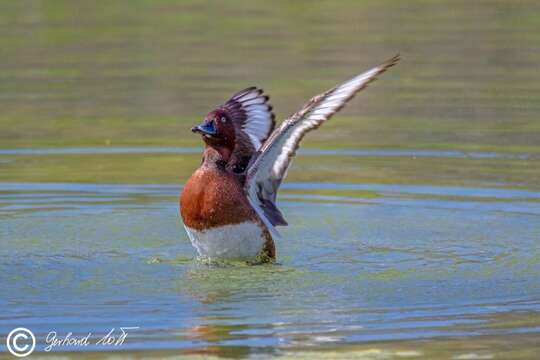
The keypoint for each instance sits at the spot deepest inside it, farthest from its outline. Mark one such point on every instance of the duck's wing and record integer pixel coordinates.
(253, 120)
(252, 114)
(269, 166)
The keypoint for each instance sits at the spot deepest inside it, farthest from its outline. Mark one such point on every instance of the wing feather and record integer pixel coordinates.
(269, 167)
(251, 114)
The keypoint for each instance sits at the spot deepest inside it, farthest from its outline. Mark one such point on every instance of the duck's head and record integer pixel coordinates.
(217, 129)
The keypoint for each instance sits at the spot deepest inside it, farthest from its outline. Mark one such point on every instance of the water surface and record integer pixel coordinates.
(389, 262)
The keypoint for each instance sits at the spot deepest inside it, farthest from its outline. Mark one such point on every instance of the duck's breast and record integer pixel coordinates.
(213, 198)
(219, 220)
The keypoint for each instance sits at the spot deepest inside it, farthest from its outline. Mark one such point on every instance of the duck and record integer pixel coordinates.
(228, 205)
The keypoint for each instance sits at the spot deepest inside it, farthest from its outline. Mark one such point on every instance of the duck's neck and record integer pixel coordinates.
(216, 156)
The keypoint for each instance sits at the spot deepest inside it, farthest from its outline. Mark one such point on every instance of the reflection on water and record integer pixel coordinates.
(358, 268)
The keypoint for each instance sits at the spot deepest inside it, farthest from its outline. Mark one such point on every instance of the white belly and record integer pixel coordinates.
(244, 240)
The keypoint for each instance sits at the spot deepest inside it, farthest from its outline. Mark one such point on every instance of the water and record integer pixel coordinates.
(306, 152)
(414, 214)
(392, 262)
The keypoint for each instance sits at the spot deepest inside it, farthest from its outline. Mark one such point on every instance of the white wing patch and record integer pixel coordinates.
(266, 172)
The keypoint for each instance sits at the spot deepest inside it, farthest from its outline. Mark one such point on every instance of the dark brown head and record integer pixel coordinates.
(217, 129)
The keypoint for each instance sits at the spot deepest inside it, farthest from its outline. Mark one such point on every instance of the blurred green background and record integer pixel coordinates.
(141, 73)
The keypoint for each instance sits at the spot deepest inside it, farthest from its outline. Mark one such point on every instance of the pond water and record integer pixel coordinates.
(414, 214)
(361, 263)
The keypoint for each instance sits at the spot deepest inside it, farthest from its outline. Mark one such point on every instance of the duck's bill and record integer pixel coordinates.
(205, 129)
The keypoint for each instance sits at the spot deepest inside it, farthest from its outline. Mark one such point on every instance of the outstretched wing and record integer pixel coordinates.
(251, 114)
(269, 166)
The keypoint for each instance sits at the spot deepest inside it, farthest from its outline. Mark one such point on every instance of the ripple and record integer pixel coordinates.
(368, 262)
(385, 189)
(307, 152)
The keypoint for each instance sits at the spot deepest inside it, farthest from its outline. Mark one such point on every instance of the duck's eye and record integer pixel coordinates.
(223, 119)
